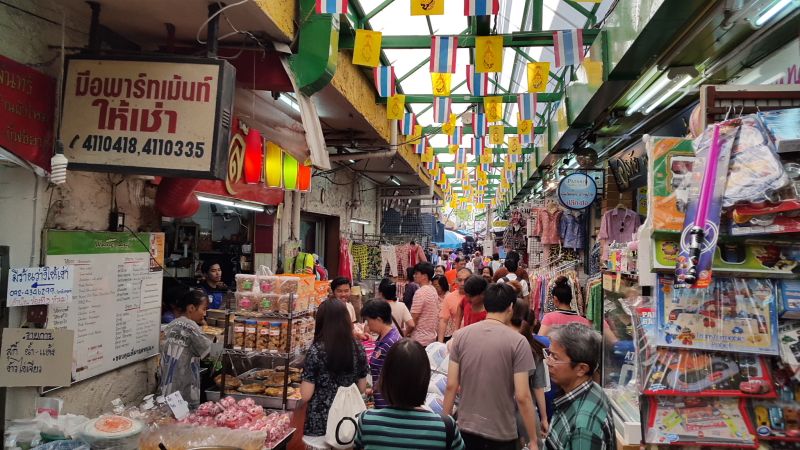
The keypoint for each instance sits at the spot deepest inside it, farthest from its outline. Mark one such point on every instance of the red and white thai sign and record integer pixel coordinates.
(149, 117)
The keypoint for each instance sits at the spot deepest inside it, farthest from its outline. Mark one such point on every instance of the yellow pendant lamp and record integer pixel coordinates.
(290, 171)
(273, 165)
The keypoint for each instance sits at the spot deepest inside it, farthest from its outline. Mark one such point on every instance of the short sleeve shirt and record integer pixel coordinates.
(562, 318)
(327, 384)
(487, 396)
(523, 282)
(426, 304)
(382, 346)
(183, 347)
(400, 313)
(469, 316)
(351, 311)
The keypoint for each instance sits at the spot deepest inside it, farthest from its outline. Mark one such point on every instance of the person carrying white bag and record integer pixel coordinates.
(334, 376)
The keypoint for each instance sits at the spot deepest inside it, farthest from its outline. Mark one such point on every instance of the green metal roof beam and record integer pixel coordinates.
(431, 105)
(517, 39)
(589, 15)
(466, 98)
(374, 12)
(468, 130)
(526, 56)
(538, 15)
(498, 85)
(419, 66)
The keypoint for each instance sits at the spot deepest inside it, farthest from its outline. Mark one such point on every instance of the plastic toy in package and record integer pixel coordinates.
(789, 336)
(721, 421)
(732, 314)
(689, 372)
(776, 420)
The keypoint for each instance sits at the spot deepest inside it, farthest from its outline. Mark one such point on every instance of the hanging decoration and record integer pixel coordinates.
(367, 49)
(452, 149)
(396, 106)
(408, 123)
(443, 54)
(449, 127)
(427, 7)
(494, 108)
(427, 155)
(525, 130)
(477, 83)
(538, 76)
(568, 47)
(332, 7)
(253, 157)
(489, 54)
(479, 124)
(303, 178)
(432, 164)
(461, 170)
(497, 134)
(421, 145)
(461, 156)
(384, 80)
(477, 146)
(417, 132)
(481, 7)
(527, 106)
(441, 84)
(485, 160)
(273, 165)
(441, 109)
(514, 147)
(290, 171)
(456, 137)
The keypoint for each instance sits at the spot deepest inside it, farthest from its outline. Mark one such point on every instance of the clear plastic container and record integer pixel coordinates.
(246, 283)
(250, 335)
(245, 301)
(288, 284)
(274, 337)
(306, 283)
(268, 284)
(267, 302)
(262, 338)
(282, 302)
(238, 333)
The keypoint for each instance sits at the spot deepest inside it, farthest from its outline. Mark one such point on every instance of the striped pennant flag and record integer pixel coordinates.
(443, 54)
(457, 137)
(431, 165)
(515, 158)
(478, 83)
(527, 106)
(479, 124)
(481, 7)
(568, 47)
(408, 123)
(461, 156)
(384, 80)
(421, 146)
(477, 146)
(526, 138)
(332, 7)
(441, 109)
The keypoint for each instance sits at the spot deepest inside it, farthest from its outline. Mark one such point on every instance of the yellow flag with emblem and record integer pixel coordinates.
(453, 204)
(496, 134)
(494, 108)
(538, 76)
(481, 205)
(509, 166)
(452, 149)
(441, 84)
(417, 131)
(486, 158)
(488, 54)
(524, 126)
(514, 147)
(427, 156)
(449, 127)
(427, 7)
(367, 49)
(396, 107)
(461, 166)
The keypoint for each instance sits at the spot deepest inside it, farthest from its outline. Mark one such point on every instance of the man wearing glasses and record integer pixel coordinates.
(582, 417)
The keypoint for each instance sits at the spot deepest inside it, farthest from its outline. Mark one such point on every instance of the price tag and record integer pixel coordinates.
(608, 282)
(179, 406)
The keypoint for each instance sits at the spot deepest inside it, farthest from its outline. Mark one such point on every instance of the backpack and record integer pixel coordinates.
(449, 430)
(342, 424)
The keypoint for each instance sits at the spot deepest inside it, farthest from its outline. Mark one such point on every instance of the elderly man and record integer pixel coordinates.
(582, 416)
(451, 275)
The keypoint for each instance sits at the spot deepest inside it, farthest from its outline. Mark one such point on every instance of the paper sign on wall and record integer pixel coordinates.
(40, 285)
(36, 357)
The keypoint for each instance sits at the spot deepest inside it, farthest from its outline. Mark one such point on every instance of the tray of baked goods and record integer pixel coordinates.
(265, 386)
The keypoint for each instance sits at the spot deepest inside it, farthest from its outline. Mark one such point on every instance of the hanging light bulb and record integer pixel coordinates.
(290, 171)
(303, 178)
(58, 165)
(273, 165)
(253, 157)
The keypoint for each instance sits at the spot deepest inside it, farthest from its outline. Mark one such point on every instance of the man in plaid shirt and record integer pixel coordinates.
(582, 417)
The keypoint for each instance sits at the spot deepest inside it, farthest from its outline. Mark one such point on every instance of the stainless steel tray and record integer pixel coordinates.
(213, 395)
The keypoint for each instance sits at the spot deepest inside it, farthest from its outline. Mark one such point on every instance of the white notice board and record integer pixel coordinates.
(115, 310)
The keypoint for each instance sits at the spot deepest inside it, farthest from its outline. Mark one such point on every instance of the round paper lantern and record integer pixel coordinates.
(273, 165)
(304, 178)
(253, 157)
(290, 168)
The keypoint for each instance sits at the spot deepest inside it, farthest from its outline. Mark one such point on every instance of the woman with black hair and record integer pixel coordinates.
(335, 359)
(562, 300)
(378, 314)
(182, 348)
(387, 290)
(405, 423)
(442, 287)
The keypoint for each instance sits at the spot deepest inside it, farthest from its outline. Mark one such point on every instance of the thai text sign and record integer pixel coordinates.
(577, 191)
(36, 357)
(168, 117)
(40, 285)
(27, 106)
(630, 167)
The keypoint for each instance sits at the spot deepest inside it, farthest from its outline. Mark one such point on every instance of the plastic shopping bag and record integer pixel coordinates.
(342, 418)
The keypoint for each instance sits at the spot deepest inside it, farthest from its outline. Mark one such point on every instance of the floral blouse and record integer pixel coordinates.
(548, 226)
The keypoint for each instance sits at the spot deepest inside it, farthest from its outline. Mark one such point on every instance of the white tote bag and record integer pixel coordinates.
(342, 418)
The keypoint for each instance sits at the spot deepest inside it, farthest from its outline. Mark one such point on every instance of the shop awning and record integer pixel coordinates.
(451, 240)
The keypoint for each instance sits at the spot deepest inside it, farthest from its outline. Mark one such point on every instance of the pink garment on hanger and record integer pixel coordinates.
(547, 226)
(345, 260)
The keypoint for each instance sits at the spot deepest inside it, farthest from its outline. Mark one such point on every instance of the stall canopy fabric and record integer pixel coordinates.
(451, 240)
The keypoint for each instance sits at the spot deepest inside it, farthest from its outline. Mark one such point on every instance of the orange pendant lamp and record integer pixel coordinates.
(290, 170)
(304, 178)
(253, 157)
(273, 165)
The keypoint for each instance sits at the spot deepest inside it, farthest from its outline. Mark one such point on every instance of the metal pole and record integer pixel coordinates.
(213, 30)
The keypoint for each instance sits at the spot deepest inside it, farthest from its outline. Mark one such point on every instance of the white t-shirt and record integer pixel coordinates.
(511, 277)
(400, 313)
(352, 311)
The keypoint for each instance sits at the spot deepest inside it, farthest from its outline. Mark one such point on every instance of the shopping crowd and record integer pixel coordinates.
(511, 384)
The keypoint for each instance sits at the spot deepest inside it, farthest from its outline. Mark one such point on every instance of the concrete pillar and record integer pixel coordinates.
(296, 214)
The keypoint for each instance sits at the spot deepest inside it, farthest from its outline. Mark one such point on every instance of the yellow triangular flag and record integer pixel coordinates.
(494, 108)
(488, 54)
(367, 50)
(496, 134)
(452, 149)
(538, 76)
(441, 84)
(514, 147)
(449, 127)
(427, 7)
(395, 108)
(427, 156)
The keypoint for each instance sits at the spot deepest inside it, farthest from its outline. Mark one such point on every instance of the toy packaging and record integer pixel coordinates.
(784, 128)
(689, 372)
(719, 421)
(733, 314)
(672, 161)
(776, 420)
(789, 299)
(789, 336)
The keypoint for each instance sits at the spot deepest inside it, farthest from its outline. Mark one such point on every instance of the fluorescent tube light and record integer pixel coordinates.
(353, 162)
(250, 207)
(362, 222)
(394, 180)
(648, 94)
(234, 204)
(772, 12)
(686, 79)
(214, 200)
(289, 101)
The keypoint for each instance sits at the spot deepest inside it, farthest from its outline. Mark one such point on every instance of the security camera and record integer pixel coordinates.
(226, 214)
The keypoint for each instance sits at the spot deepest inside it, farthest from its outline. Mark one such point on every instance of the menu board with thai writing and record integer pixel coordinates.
(115, 310)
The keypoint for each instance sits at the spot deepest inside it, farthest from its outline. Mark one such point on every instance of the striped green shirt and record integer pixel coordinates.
(399, 429)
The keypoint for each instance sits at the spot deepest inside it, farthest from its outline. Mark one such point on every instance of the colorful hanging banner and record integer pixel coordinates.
(332, 7)
(479, 124)
(515, 158)
(514, 147)
(461, 156)
(452, 149)
(427, 155)
(443, 54)
(568, 47)
(441, 109)
(494, 108)
(477, 146)
(441, 84)
(481, 7)
(488, 54)
(408, 123)
(420, 146)
(457, 137)
(384, 80)
(417, 132)
(427, 7)
(509, 166)
(395, 106)
(497, 134)
(477, 83)
(526, 103)
(538, 76)
(449, 127)
(367, 49)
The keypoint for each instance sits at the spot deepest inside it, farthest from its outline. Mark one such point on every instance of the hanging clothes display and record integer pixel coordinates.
(345, 265)
(618, 225)
(572, 229)
(514, 238)
(594, 307)
(548, 224)
(361, 258)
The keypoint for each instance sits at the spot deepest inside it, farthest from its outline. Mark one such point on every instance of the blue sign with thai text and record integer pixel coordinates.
(577, 191)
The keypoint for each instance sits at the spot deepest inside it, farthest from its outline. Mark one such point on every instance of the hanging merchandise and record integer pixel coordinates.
(514, 237)
(443, 54)
(672, 163)
(548, 224)
(395, 107)
(385, 80)
(477, 83)
(618, 225)
(538, 76)
(568, 47)
(367, 48)
(572, 229)
(707, 421)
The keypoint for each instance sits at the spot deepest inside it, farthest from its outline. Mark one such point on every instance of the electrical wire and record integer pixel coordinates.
(215, 15)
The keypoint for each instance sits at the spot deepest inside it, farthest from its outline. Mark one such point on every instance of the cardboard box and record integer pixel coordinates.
(784, 128)
(672, 159)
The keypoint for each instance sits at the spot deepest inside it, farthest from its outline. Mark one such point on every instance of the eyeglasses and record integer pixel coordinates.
(551, 360)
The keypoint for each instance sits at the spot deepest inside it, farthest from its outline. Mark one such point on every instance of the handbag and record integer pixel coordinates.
(342, 423)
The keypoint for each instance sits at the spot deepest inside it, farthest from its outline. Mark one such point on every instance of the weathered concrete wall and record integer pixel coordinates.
(282, 13)
(340, 191)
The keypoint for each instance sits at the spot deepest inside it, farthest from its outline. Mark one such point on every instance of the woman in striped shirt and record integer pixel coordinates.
(405, 424)
(378, 315)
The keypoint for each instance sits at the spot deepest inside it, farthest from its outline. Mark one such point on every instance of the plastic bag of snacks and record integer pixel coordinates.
(245, 301)
(246, 283)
